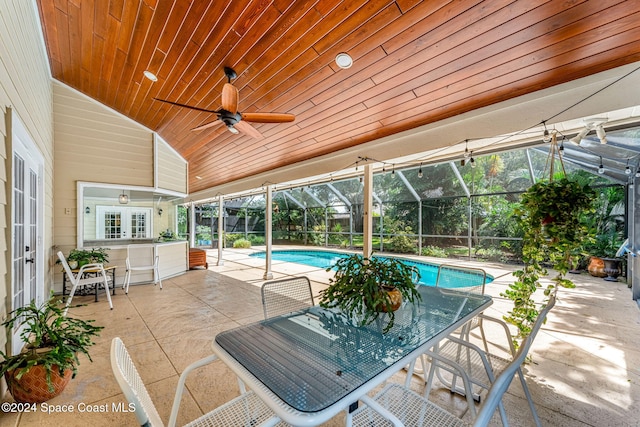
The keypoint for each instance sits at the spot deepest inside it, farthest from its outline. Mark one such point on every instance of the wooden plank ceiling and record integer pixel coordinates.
(416, 62)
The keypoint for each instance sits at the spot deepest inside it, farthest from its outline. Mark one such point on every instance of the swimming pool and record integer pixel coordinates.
(327, 259)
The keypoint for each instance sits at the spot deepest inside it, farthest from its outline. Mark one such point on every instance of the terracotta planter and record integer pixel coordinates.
(596, 267)
(396, 299)
(32, 387)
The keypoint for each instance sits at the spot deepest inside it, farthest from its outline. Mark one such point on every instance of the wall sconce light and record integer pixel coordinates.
(87, 210)
(159, 211)
(123, 198)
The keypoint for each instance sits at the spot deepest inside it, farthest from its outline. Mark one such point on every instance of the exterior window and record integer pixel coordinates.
(115, 222)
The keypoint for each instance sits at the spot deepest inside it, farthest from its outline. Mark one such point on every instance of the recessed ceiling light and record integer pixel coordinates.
(148, 74)
(343, 60)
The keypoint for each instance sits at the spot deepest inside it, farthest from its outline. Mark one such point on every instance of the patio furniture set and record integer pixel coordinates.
(304, 364)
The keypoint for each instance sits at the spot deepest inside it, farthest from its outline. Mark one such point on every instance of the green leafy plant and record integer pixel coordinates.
(256, 240)
(434, 251)
(168, 235)
(88, 256)
(51, 339)
(360, 287)
(549, 214)
(242, 243)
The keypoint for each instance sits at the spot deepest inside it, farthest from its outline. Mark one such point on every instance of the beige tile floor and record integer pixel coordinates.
(585, 368)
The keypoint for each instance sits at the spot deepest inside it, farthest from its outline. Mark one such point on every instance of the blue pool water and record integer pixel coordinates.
(327, 259)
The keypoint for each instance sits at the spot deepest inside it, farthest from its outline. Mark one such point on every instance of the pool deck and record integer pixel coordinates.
(585, 368)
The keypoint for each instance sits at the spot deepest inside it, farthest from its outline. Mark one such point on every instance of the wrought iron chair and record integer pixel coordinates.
(396, 404)
(97, 278)
(141, 258)
(245, 410)
(286, 296)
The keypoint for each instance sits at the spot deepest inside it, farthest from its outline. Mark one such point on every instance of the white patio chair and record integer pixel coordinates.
(78, 280)
(467, 279)
(396, 404)
(286, 296)
(141, 258)
(245, 410)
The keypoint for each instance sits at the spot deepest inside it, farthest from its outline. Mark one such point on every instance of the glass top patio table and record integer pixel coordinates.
(318, 360)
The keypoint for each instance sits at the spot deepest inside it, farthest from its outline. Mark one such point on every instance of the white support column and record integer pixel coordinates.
(220, 229)
(268, 218)
(633, 258)
(367, 231)
(192, 225)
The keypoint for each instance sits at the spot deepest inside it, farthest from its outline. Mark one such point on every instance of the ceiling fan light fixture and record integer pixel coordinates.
(232, 129)
(148, 74)
(344, 60)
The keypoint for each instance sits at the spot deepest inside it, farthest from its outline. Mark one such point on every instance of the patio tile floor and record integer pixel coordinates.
(585, 368)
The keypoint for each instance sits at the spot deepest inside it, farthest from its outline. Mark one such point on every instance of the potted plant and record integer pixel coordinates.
(167, 236)
(87, 256)
(550, 214)
(364, 288)
(49, 358)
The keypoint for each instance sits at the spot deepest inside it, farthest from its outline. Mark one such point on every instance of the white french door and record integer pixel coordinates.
(27, 252)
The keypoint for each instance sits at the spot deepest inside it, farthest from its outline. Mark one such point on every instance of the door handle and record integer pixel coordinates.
(28, 260)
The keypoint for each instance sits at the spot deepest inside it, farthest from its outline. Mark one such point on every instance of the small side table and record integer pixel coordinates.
(108, 269)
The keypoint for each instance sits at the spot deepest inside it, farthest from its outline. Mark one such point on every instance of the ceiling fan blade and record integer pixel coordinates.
(206, 125)
(245, 127)
(268, 117)
(186, 106)
(230, 98)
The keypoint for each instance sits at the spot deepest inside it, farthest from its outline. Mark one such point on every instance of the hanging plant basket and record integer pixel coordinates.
(550, 214)
(554, 207)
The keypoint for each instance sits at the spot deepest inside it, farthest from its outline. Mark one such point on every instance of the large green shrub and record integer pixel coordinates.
(434, 251)
(242, 243)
